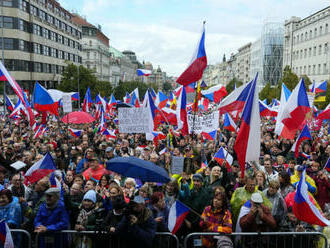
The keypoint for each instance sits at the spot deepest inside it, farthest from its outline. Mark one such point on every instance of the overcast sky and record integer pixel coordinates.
(165, 32)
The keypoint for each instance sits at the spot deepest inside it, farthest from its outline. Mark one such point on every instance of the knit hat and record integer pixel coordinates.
(198, 177)
(90, 195)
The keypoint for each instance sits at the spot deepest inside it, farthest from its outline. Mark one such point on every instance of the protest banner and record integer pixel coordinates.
(67, 104)
(177, 165)
(203, 123)
(134, 120)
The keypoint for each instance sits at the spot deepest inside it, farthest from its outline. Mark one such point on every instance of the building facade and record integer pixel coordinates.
(95, 48)
(306, 45)
(243, 63)
(39, 38)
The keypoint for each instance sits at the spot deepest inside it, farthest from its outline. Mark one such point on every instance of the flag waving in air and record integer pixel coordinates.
(43, 101)
(194, 72)
(87, 101)
(303, 208)
(247, 145)
(304, 135)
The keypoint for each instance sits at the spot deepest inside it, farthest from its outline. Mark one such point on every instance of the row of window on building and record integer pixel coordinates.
(299, 54)
(32, 47)
(308, 36)
(30, 66)
(312, 70)
(16, 23)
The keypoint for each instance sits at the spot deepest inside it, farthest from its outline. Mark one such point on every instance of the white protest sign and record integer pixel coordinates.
(67, 104)
(18, 165)
(204, 123)
(177, 165)
(134, 120)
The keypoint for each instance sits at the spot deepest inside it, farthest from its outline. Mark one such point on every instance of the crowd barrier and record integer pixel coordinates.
(258, 240)
(91, 239)
(21, 238)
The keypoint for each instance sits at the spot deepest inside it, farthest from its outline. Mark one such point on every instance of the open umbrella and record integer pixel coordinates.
(137, 168)
(78, 117)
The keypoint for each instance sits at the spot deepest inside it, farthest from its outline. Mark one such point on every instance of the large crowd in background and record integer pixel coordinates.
(92, 198)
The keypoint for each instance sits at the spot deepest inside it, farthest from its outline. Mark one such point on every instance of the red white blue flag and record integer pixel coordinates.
(177, 214)
(5, 235)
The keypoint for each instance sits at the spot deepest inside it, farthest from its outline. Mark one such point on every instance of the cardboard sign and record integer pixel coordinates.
(67, 103)
(204, 123)
(134, 120)
(177, 165)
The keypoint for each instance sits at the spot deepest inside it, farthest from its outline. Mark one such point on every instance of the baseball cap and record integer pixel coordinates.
(109, 149)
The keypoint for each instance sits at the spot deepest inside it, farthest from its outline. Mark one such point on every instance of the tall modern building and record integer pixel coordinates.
(38, 38)
(267, 54)
(243, 63)
(306, 46)
(95, 48)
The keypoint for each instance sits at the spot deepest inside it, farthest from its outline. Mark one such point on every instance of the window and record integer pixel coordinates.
(325, 69)
(90, 43)
(314, 51)
(315, 32)
(7, 3)
(54, 52)
(42, 15)
(23, 5)
(310, 34)
(310, 52)
(23, 25)
(325, 48)
(36, 48)
(321, 30)
(57, 23)
(301, 54)
(8, 43)
(53, 36)
(309, 70)
(33, 10)
(60, 38)
(305, 53)
(320, 49)
(306, 36)
(45, 33)
(326, 28)
(304, 69)
(60, 54)
(65, 55)
(319, 69)
(46, 50)
(50, 18)
(66, 41)
(63, 26)
(301, 37)
(7, 22)
(23, 46)
(36, 29)
(87, 55)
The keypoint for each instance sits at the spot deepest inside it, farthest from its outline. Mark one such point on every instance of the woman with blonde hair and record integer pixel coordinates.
(217, 178)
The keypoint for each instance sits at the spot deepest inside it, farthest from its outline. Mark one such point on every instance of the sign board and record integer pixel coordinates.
(67, 104)
(134, 120)
(204, 123)
(177, 165)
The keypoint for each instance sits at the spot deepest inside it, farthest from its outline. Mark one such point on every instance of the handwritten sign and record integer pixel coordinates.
(204, 123)
(134, 120)
(177, 164)
(67, 104)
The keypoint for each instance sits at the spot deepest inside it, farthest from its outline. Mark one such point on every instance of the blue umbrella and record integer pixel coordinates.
(138, 168)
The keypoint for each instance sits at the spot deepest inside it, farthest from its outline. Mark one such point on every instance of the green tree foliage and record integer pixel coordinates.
(86, 77)
(230, 86)
(167, 87)
(291, 79)
(269, 92)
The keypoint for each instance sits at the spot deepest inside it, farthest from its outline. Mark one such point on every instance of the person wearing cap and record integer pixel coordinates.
(109, 153)
(95, 170)
(198, 199)
(296, 177)
(52, 216)
(255, 216)
(243, 194)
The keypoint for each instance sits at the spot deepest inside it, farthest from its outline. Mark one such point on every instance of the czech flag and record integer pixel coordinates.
(265, 110)
(87, 101)
(143, 72)
(112, 101)
(75, 96)
(194, 72)
(190, 88)
(54, 182)
(320, 87)
(236, 99)
(168, 115)
(153, 93)
(161, 100)
(155, 136)
(151, 110)
(110, 134)
(280, 129)
(5, 76)
(304, 135)
(5, 235)
(181, 112)
(215, 93)
(42, 100)
(99, 100)
(40, 169)
(303, 208)
(40, 129)
(177, 214)
(75, 132)
(325, 114)
(163, 151)
(209, 135)
(222, 156)
(296, 108)
(247, 145)
(229, 124)
(9, 104)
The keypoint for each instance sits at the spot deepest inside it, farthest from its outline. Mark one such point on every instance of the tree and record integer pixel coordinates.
(167, 87)
(70, 78)
(269, 92)
(230, 86)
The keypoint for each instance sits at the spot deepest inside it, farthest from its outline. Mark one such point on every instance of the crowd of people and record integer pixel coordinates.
(92, 198)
